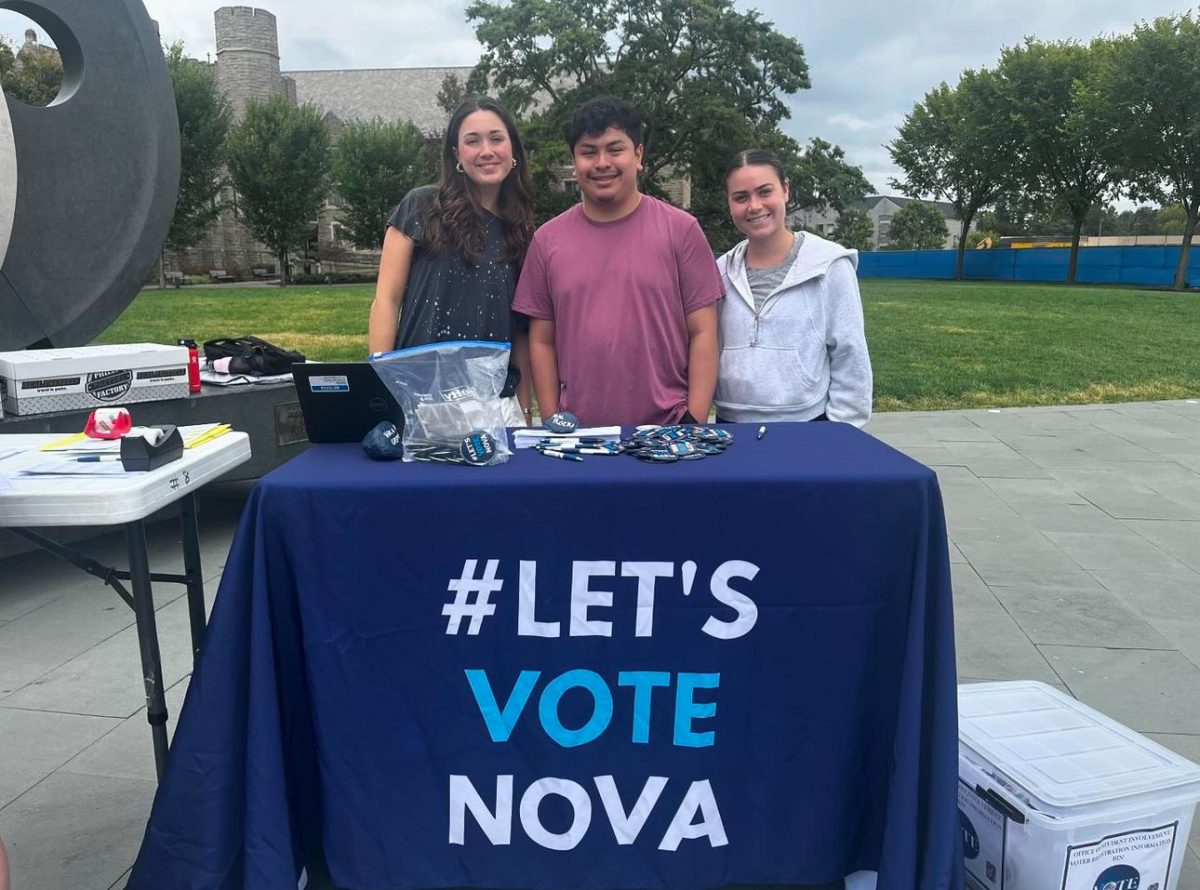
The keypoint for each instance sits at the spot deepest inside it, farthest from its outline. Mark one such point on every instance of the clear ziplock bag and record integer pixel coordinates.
(450, 393)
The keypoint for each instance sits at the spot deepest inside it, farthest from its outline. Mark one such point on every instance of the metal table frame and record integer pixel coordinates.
(141, 601)
(179, 481)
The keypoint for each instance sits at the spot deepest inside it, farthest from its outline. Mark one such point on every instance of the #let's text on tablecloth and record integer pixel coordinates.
(535, 696)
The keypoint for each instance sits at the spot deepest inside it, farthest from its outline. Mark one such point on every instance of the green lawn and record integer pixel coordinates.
(934, 344)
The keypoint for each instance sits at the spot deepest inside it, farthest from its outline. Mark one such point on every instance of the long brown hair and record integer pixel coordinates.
(456, 220)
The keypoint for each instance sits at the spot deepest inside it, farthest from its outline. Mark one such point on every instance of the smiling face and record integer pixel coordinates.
(606, 167)
(757, 201)
(484, 149)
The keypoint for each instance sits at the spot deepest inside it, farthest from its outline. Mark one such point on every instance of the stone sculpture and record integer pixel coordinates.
(87, 184)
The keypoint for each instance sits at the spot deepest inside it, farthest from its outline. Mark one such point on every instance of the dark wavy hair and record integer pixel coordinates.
(455, 221)
(757, 157)
(595, 116)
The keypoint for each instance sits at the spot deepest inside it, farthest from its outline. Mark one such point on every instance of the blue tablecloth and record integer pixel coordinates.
(551, 674)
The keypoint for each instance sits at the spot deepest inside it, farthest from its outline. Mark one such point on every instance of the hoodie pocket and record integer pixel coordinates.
(765, 377)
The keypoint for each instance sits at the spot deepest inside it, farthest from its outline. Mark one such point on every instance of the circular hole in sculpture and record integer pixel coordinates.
(30, 66)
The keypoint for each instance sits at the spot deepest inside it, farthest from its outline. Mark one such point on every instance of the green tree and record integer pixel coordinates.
(1140, 221)
(8, 59)
(953, 146)
(451, 93)
(706, 78)
(1005, 217)
(917, 226)
(855, 230)
(31, 75)
(822, 179)
(1146, 93)
(818, 174)
(1063, 167)
(279, 160)
(1172, 220)
(205, 117)
(376, 164)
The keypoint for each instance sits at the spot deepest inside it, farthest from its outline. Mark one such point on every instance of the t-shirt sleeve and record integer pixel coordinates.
(409, 215)
(533, 287)
(699, 281)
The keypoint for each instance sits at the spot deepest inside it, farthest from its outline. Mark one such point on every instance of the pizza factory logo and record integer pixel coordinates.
(1119, 877)
(970, 837)
(109, 386)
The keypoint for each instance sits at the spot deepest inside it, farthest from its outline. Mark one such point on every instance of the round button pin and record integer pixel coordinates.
(478, 447)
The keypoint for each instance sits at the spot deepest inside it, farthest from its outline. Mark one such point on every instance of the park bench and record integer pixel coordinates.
(175, 279)
(261, 273)
(220, 276)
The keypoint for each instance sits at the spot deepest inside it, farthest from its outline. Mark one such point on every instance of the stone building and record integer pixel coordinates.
(248, 68)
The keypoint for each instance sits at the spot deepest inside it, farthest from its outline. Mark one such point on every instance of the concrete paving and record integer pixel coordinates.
(1075, 550)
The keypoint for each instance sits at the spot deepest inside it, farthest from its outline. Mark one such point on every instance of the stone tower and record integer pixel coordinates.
(247, 55)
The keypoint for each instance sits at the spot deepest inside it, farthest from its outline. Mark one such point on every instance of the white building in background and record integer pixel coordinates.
(880, 209)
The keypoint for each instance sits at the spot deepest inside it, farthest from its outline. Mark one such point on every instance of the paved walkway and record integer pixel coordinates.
(1076, 558)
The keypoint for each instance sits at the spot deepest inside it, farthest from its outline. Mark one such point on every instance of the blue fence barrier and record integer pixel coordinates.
(1152, 266)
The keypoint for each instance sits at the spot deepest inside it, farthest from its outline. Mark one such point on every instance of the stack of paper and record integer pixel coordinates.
(78, 443)
(527, 438)
(202, 432)
(6, 453)
(74, 467)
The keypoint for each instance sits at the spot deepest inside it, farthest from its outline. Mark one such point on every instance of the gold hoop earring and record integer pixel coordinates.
(458, 167)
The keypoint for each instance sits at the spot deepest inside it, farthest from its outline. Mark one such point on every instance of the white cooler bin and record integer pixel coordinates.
(1053, 795)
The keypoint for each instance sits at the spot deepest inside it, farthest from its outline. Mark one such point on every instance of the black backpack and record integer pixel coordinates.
(252, 355)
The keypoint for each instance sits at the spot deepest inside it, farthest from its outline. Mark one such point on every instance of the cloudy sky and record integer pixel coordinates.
(870, 60)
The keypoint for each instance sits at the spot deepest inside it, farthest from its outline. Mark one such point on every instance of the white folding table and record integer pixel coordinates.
(111, 498)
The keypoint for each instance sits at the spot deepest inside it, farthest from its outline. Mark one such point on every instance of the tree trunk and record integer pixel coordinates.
(1073, 261)
(1185, 249)
(283, 270)
(962, 246)
(162, 267)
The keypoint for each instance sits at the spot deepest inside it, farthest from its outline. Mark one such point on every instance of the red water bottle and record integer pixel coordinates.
(193, 364)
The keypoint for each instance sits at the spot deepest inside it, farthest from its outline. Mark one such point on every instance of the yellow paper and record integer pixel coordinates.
(63, 442)
(216, 431)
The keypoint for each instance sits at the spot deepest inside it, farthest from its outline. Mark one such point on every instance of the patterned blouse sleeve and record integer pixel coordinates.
(409, 215)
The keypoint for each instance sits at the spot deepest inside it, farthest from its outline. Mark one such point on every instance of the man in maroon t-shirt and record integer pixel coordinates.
(621, 290)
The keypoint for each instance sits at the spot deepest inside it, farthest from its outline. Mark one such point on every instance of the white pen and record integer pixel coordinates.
(96, 458)
(762, 431)
(561, 455)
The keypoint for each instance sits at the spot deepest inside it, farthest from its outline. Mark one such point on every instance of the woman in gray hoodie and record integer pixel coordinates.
(792, 340)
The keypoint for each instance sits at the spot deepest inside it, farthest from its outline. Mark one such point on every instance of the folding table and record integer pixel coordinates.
(121, 499)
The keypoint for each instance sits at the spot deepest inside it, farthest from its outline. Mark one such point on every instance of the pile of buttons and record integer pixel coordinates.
(656, 444)
(666, 444)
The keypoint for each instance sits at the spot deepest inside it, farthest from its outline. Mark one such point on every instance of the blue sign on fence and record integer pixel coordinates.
(1146, 266)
